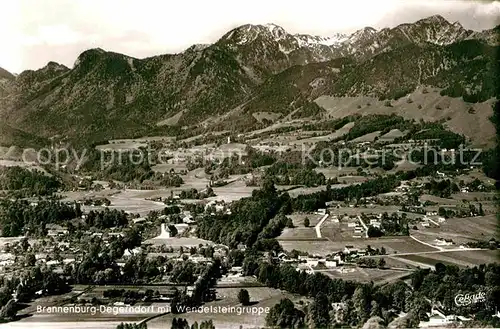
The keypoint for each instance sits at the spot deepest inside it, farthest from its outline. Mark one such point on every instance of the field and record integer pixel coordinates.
(299, 232)
(233, 191)
(313, 140)
(260, 297)
(305, 190)
(460, 230)
(440, 201)
(332, 172)
(477, 126)
(391, 135)
(366, 274)
(367, 138)
(324, 247)
(460, 258)
(167, 167)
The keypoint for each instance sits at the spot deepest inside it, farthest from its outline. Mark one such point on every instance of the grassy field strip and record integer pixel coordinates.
(414, 263)
(427, 252)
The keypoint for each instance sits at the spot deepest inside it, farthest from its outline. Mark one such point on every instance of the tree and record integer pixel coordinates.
(318, 312)
(244, 297)
(374, 232)
(173, 230)
(306, 222)
(481, 211)
(9, 310)
(289, 223)
(30, 259)
(361, 303)
(381, 263)
(374, 309)
(25, 245)
(285, 315)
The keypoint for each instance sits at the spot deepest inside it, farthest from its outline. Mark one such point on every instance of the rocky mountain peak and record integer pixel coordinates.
(88, 56)
(362, 34)
(434, 19)
(246, 34)
(263, 63)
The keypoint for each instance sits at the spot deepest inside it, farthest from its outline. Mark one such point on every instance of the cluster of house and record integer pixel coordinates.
(358, 229)
(431, 217)
(438, 317)
(311, 263)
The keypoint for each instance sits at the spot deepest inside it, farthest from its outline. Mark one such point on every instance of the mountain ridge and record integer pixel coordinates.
(110, 95)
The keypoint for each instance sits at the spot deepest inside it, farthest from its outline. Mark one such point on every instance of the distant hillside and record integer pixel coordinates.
(253, 71)
(4, 74)
(12, 136)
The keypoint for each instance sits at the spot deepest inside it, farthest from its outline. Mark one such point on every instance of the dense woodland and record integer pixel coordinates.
(22, 217)
(27, 183)
(362, 301)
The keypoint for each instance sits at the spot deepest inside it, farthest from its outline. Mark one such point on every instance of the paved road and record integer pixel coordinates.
(425, 243)
(318, 226)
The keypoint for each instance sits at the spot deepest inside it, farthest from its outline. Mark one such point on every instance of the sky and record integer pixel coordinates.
(34, 32)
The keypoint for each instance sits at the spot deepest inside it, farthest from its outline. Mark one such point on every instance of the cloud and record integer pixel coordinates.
(33, 32)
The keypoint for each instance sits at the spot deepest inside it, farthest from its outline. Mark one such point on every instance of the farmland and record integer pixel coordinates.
(459, 258)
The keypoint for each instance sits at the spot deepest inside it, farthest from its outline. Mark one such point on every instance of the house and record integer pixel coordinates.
(283, 257)
(312, 262)
(165, 231)
(431, 213)
(437, 317)
(352, 224)
(236, 270)
(338, 309)
(57, 232)
(304, 267)
(444, 242)
(139, 220)
(338, 258)
(321, 212)
(167, 295)
(350, 250)
(134, 251)
(188, 219)
(330, 263)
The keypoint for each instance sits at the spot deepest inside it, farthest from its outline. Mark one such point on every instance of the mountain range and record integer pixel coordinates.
(251, 69)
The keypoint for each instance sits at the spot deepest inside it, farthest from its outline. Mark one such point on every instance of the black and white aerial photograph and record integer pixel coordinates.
(266, 164)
